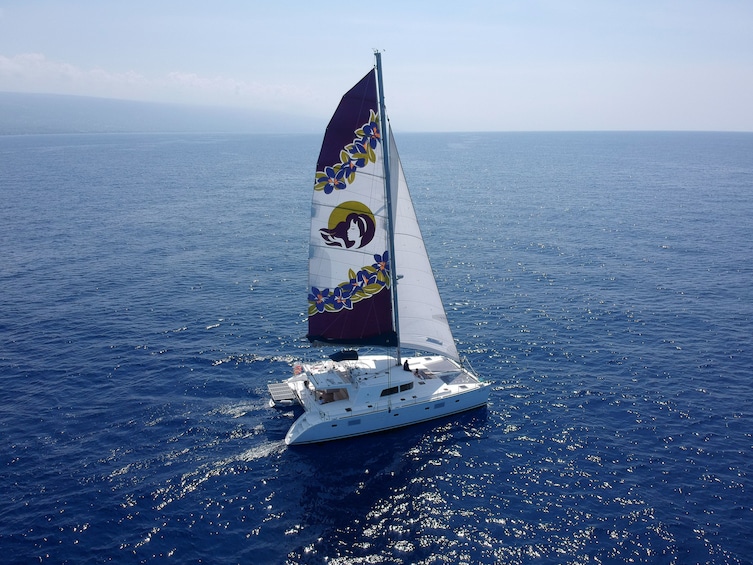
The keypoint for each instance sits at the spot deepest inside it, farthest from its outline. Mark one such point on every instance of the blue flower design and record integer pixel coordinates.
(320, 298)
(331, 179)
(368, 281)
(382, 267)
(371, 134)
(354, 156)
(363, 278)
(341, 298)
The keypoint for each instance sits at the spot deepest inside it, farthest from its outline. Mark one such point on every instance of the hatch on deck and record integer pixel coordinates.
(345, 355)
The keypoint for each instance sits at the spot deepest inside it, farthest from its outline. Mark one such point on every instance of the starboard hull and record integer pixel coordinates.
(307, 430)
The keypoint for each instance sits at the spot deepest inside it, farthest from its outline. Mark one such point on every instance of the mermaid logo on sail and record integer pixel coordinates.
(351, 225)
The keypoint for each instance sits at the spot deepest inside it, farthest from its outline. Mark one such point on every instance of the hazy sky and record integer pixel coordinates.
(460, 65)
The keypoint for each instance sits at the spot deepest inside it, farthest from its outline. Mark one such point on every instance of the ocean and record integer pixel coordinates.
(152, 285)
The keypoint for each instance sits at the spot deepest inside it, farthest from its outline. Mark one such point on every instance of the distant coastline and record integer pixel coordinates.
(31, 113)
(23, 113)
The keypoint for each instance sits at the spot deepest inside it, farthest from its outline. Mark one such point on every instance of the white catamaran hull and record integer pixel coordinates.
(310, 428)
(374, 394)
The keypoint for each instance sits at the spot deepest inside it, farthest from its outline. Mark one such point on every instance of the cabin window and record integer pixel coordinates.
(395, 389)
(325, 397)
(389, 391)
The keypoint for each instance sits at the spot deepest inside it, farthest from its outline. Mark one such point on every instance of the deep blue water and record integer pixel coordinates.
(151, 285)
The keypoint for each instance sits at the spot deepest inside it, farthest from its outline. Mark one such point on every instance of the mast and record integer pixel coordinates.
(388, 190)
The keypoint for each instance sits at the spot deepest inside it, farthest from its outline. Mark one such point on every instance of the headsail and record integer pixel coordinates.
(423, 322)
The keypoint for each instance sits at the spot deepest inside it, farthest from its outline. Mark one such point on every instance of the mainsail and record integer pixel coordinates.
(349, 268)
(351, 272)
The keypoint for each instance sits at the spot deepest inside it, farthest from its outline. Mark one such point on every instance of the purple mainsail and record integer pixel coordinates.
(349, 272)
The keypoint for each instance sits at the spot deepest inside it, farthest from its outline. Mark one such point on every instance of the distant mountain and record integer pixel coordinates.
(24, 113)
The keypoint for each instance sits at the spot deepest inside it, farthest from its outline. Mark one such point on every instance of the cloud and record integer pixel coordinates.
(35, 72)
(230, 91)
(215, 85)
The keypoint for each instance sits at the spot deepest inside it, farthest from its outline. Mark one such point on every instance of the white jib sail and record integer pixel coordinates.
(423, 321)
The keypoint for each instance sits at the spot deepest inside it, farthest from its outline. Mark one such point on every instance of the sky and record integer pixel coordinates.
(471, 65)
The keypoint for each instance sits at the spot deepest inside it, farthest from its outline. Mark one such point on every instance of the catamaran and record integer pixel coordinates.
(371, 284)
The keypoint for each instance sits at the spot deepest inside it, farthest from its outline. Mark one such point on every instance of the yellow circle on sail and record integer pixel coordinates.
(340, 213)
